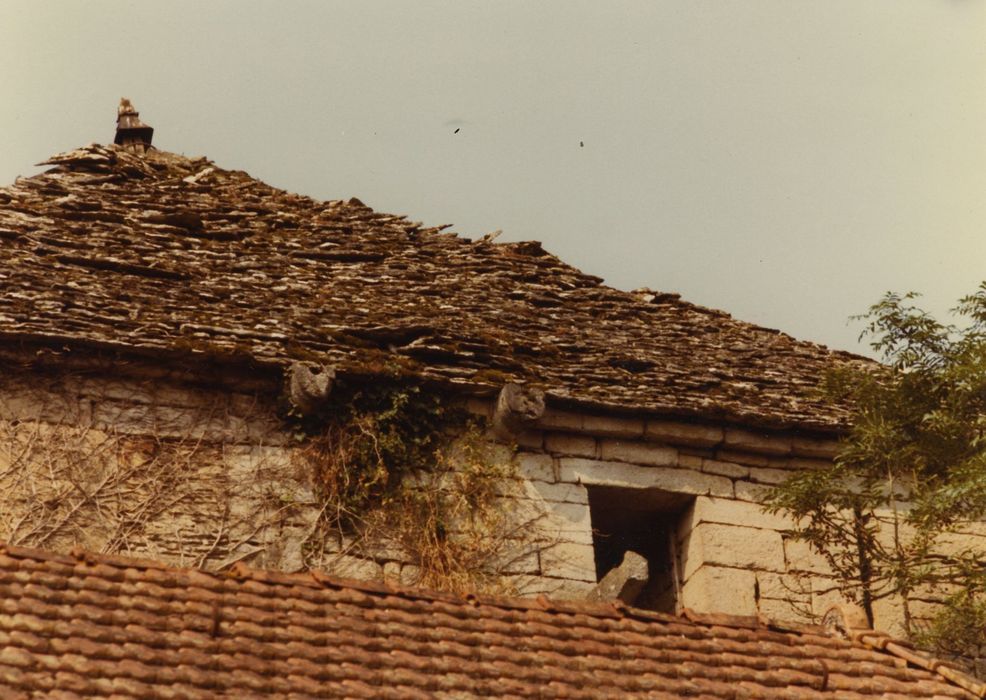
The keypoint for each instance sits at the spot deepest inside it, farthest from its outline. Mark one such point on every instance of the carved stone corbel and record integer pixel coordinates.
(518, 407)
(309, 385)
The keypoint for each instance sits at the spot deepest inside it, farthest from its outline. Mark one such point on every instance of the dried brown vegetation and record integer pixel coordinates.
(393, 482)
(400, 473)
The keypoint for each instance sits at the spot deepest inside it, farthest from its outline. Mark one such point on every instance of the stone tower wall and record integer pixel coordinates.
(206, 477)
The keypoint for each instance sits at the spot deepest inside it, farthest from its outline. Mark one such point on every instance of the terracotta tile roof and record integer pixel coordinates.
(88, 626)
(163, 252)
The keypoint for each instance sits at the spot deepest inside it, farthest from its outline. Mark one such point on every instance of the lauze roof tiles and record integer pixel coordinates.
(89, 626)
(159, 252)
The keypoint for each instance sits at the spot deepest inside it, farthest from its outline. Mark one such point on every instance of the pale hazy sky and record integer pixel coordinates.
(785, 161)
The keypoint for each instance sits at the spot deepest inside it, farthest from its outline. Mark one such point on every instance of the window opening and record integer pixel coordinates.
(644, 521)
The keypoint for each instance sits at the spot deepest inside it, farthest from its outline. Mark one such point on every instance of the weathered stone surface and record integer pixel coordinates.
(561, 493)
(568, 522)
(677, 433)
(972, 528)
(201, 503)
(808, 464)
(825, 594)
(687, 461)
(764, 443)
(707, 509)
(286, 552)
(410, 575)
(730, 469)
(613, 426)
(599, 473)
(392, 572)
(748, 458)
(479, 407)
(309, 385)
(241, 459)
(348, 566)
(637, 452)
(556, 521)
(555, 588)
(540, 467)
(554, 419)
(214, 425)
(570, 444)
(569, 560)
(769, 476)
(731, 545)
(801, 557)
(809, 447)
(784, 587)
(748, 491)
(142, 392)
(518, 408)
(24, 403)
(719, 589)
(888, 616)
(957, 542)
(530, 439)
(517, 558)
(785, 610)
(623, 582)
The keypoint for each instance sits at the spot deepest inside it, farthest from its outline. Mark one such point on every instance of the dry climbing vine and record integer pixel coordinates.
(136, 478)
(399, 470)
(388, 475)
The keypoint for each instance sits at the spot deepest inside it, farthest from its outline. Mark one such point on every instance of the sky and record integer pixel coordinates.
(786, 161)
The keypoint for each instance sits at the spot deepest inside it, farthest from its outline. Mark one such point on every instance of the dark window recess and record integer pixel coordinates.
(643, 521)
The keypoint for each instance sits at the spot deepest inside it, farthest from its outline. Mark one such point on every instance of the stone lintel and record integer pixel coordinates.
(620, 474)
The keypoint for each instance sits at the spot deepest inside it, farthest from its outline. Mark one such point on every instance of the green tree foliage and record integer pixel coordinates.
(911, 473)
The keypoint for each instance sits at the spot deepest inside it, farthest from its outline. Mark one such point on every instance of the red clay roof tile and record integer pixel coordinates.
(111, 627)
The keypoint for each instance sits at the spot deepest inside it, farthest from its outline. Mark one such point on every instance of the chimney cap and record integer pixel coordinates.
(131, 132)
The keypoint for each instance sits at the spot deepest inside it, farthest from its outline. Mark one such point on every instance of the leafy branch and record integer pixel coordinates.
(911, 473)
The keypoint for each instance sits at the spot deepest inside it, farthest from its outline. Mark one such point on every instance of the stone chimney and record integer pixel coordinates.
(131, 133)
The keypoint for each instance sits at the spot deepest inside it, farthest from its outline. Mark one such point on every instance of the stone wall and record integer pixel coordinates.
(732, 556)
(185, 474)
(206, 477)
(195, 476)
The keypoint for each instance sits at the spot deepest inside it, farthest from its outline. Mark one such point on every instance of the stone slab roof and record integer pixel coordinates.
(161, 252)
(90, 626)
